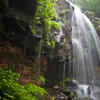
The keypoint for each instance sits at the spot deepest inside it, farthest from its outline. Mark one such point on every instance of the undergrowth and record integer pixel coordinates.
(10, 89)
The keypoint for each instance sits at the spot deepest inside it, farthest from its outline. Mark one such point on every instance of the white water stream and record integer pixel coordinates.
(86, 50)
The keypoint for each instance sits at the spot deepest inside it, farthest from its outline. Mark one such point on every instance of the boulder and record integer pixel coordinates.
(96, 94)
(73, 84)
(77, 93)
(57, 35)
(56, 89)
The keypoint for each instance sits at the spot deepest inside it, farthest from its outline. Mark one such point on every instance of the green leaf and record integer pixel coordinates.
(33, 31)
(64, 40)
(53, 44)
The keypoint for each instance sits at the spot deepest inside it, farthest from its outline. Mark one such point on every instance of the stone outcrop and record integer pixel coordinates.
(18, 46)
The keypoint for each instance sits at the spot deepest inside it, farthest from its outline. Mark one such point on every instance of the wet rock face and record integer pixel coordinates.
(63, 3)
(3, 5)
(73, 83)
(17, 43)
(16, 21)
(3, 8)
(26, 6)
(13, 58)
(16, 18)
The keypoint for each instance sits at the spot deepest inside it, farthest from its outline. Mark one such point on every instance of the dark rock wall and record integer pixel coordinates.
(20, 49)
(62, 50)
(26, 6)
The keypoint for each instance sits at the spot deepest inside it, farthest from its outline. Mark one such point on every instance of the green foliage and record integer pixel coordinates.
(37, 20)
(11, 90)
(45, 15)
(33, 31)
(46, 12)
(92, 13)
(60, 7)
(11, 67)
(67, 79)
(34, 91)
(46, 9)
(47, 24)
(67, 45)
(63, 83)
(53, 44)
(89, 5)
(47, 41)
(42, 79)
(64, 12)
(64, 40)
(97, 29)
(94, 4)
(55, 24)
(52, 98)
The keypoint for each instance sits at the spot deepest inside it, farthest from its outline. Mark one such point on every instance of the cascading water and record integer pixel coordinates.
(86, 49)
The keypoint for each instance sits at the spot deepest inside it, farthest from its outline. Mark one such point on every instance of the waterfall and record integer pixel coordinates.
(84, 89)
(86, 49)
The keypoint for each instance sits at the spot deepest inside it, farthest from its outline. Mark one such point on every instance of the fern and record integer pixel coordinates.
(10, 89)
(42, 79)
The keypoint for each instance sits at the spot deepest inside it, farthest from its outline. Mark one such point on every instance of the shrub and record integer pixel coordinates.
(10, 89)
